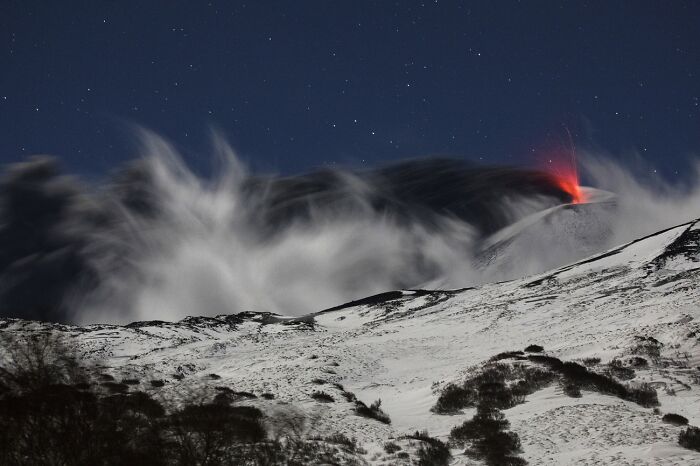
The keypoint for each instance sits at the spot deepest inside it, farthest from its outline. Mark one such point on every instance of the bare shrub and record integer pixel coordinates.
(373, 411)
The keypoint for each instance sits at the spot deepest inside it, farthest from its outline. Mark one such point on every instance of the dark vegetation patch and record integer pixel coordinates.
(643, 395)
(618, 370)
(487, 438)
(501, 385)
(323, 397)
(391, 448)
(51, 412)
(508, 355)
(373, 411)
(590, 361)
(534, 349)
(157, 383)
(505, 381)
(497, 386)
(349, 444)
(570, 389)
(432, 451)
(318, 381)
(675, 419)
(690, 438)
(638, 361)
(268, 396)
(648, 346)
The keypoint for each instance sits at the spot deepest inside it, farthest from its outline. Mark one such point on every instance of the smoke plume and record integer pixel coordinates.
(157, 242)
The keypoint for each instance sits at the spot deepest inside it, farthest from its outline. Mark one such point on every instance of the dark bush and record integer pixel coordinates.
(491, 387)
(157, 383)
(579, 375)
(571, 389)
(496, 394)
(616, 369)
(507, 355)
(549, 361)
(637, 361)
(391, 448)
(434, 454)
(338, 386)
(318, 381)
(690, 438)
(350, 444)
(534, 379)
(206, 433)
(675, 419)
(487, 439)
(648, 346)
(534, 349)
(268, 396)
(52, 413)
(432, 451)
(374, 411)
(644, 395)
(454, 398)
(591, 361)
(323, 397)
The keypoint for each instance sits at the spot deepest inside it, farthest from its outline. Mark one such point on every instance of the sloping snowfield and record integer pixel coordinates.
(404, 347)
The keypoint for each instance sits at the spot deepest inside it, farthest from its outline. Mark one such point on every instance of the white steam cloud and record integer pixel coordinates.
(163, 243)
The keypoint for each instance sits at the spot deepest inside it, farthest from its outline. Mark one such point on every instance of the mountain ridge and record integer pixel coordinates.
(405, 347)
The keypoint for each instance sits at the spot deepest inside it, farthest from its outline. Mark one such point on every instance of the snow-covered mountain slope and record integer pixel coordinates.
(551, 237)
(640, 300)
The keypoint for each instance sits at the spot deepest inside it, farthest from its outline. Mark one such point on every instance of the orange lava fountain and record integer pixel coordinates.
(563, 168)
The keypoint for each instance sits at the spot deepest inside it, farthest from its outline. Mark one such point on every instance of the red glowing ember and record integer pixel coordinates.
(563, 168)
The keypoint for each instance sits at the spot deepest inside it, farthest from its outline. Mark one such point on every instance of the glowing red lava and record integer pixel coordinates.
(563, 168)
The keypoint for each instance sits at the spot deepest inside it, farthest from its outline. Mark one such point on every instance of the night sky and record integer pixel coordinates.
(296, 85)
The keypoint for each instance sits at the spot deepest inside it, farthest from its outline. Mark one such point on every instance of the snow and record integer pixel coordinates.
(404, 350)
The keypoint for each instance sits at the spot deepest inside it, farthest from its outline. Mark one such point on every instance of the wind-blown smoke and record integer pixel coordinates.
(158, 242)
(643, 205)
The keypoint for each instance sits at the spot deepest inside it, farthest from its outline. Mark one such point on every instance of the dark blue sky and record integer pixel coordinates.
(298, 84)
